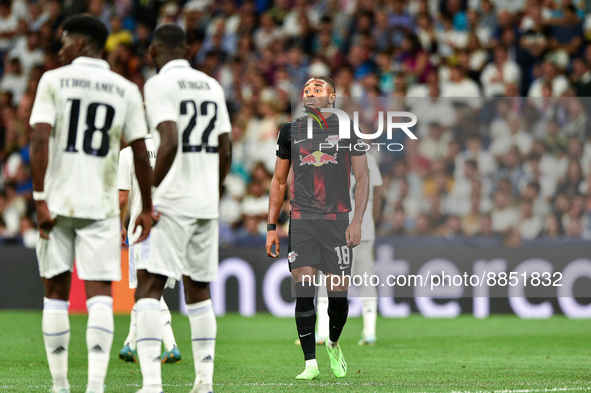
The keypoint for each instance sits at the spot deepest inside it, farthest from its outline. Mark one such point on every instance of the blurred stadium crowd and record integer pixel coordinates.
(512, 167)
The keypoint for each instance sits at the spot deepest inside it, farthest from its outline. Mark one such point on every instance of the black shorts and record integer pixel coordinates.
(321, 244)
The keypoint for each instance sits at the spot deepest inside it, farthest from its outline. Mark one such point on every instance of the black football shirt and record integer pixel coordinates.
(321, 172)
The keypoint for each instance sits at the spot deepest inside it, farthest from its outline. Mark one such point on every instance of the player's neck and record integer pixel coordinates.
(91, 54)
(164, 60)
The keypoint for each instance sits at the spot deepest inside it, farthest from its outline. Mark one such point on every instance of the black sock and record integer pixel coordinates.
(338, 309)
(305, 317)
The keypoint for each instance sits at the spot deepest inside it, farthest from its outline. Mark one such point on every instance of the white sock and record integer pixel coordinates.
(167, 334)
(370, 314)
(322, 319)
(99, 339)
(56, 335)
(203, 335)
(311, 362)
(131, 336)
(149, 339)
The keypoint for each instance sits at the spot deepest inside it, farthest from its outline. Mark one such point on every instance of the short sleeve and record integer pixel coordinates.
(44, 107)
(135, 121)
(160, 106)
(124, 169)
(283, 143)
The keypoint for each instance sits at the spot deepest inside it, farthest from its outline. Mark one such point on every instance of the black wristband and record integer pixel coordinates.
(271, 227)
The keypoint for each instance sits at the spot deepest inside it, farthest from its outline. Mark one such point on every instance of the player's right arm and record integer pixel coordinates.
(276, 197)
(42, 120)
(39, 160)
(167, 151)
(278, 186)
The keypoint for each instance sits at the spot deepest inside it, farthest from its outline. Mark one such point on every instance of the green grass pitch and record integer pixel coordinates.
(500, 353)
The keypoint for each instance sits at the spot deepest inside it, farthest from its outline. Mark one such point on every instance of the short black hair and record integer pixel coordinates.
(171, 35)
(326, 79)
(88, 26)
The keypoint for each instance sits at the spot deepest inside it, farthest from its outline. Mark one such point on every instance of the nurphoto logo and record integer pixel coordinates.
(392, 120)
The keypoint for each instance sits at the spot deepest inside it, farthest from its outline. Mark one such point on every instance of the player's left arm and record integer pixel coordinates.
(225, 152)
(124, 180)
(224, 139)
(135, 132)
(143, 173)
(361, 172)
(123, 207)
(167, 150)
(39, 160)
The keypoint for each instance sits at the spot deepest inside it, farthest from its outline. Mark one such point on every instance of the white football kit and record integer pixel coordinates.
(89, 108)
(185, 239)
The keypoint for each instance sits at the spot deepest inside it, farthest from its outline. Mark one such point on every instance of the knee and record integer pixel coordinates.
(304, 300)
(195, 291)
(149, 285)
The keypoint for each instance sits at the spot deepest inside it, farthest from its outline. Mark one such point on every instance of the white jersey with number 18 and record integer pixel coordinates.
(196, 103)
(89, 108)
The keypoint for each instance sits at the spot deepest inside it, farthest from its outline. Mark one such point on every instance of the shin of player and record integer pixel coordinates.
(80, 222)
(192, 162)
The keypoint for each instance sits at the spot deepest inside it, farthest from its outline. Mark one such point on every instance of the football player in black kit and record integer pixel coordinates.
(320, 235)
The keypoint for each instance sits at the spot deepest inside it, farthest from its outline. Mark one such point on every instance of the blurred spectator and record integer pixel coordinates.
(28, 52)
(581, 77)
(14, 80)
(434, 146)
(471, 221)
(503, 216)
(530, 225)
(500, 72)
(549, 75)
(552, 226)
(459, 85)
(118, 36)
(8, 26)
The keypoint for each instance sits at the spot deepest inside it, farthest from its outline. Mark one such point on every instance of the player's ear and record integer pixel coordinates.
(187, 51)
(81, 44)
(152, 51)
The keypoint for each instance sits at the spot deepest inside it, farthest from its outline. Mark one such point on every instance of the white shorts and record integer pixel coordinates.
(138, 251)
(183, 246)
(95, 245)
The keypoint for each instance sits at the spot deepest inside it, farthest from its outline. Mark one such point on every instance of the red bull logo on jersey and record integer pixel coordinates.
(318, 158)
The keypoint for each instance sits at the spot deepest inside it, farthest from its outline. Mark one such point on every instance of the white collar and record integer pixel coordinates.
(92, 62)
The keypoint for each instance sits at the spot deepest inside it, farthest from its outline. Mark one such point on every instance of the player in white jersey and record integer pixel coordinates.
(363, 260)
(129, 199)
(80, 113)
(187, 114)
